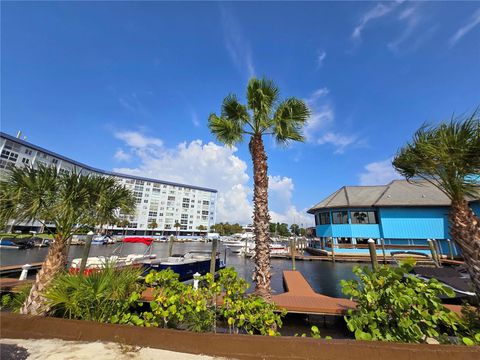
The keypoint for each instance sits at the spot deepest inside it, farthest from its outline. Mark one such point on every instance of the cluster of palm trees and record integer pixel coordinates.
(69, 201)
(447, 155)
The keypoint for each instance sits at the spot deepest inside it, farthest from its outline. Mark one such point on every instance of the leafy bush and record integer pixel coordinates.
(98, 296)
(14, 302)
(393, 305)
(470, 331)
(180, 306)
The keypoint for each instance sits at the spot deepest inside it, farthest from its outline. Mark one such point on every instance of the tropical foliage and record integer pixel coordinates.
(393, 305)
(447, 156)
(264, 114)
(69, 201)
(98, 297)
(181, 306)
(226, 228)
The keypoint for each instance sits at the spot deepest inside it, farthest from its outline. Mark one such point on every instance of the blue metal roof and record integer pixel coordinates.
(104, 172)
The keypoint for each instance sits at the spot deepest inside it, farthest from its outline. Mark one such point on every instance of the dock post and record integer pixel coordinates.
(246, 249)
(86, 252)
(170, 245)
(213, 256)
(373, 253)
(333, 251)
(292, 252)
(438, 249)
(382, 243)
(196, 278)
(433, 252)
(25, 268)
(450, 248)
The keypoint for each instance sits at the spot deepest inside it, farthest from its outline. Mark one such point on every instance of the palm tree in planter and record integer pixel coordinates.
(263, 115)
(69, 201)
(152, 225)
(448, 156)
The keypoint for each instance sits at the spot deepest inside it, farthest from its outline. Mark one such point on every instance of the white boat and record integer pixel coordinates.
(275, 249)
(97, 263)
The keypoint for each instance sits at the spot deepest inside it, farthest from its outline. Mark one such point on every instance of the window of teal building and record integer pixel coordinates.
(363, 217)
(323, 218)
(340, 217)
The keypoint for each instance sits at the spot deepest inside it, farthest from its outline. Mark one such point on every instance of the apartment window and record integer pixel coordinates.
(145, 201)
(186, 200)
(28, 151)
(9, 155)
(171, 198)
(340, 217)
(364, 217)
(183, 222)
(185, 206)
(204, 212)
(61, 171)
(4, 164)
(12, 146)
(26, 161)
(152, 213)
(139, 182)
(205, 202)
(184, 216)
(55, 161)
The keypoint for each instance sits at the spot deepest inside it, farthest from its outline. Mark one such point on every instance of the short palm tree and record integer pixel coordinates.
(69, 201)
(152, 225)
(264, 114)
(448, 156)
(177, 226)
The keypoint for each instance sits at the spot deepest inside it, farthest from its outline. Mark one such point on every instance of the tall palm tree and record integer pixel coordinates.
(152, 225)
(177, 226)
(264, 114)
(69, 201)
(448, 156)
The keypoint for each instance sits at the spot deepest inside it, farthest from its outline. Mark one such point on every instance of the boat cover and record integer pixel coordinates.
(138, 239)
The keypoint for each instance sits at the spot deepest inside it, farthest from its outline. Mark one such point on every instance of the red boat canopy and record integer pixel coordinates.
(137, 239)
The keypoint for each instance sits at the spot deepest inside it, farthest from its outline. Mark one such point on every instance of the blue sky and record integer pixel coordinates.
(130, 85)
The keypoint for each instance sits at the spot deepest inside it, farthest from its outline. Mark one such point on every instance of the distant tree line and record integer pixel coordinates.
(226, 228)
(282, 229)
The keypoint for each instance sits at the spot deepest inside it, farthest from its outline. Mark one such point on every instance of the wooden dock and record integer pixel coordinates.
(301, 298)
(12, 284)
(12, 269)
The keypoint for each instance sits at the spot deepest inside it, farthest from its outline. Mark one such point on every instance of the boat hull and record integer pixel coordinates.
(185, 271)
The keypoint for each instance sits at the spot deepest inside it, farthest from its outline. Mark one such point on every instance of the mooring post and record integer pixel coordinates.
(25, 268)
(225, 256)
(450, 248)
(382, 243)
(433, 252)
(333, 249)
(170, 245)
(292, 252)
(213, 256)
(246, 248)
(196, 277)
(438, 249)
(86, 252)
(373, 253)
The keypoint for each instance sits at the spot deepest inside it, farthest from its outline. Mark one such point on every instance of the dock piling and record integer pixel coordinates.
(86, 252)
(292, 252)
(25, 268)
(170, 245)
(433, 252)
(213, 256)
(450, 249)
(382, 244)
(373, 253)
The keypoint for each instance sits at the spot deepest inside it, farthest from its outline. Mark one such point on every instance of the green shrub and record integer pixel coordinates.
(13, 302)
(393, 305)
(180, 306)
(98, 296)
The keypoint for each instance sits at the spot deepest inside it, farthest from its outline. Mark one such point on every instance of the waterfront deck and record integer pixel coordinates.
(301, 298)
(16, 269)
(12, 285)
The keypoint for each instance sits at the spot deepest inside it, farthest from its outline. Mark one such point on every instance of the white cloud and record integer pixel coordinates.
(121, 155)
(339, 141)
(237, 46)
(378, 11)
(320, 126)
(465, 29)
(320, 58)
(195, 119)
(137, 140)
(209, 165)
(378, 173)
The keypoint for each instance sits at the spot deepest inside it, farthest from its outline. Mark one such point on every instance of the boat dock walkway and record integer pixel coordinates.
(301, 298)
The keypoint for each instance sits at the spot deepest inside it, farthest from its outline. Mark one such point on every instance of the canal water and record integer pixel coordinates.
(323, 276)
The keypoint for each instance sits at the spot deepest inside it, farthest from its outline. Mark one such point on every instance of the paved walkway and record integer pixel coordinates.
(56, 349)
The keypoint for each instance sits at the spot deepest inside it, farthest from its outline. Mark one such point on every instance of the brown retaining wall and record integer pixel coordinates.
(230, 346)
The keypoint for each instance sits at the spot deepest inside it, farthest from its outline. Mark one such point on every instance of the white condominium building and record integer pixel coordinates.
(160, 204)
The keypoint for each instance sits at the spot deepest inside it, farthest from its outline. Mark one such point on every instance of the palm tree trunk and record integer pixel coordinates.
(261, 219)
(55, 262)
(465, 231)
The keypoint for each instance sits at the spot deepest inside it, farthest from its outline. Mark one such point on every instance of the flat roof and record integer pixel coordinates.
(104, 172)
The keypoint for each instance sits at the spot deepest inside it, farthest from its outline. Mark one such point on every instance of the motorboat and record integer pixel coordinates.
(185, 265)
(117, 259)
(275, 249)
(40, 242)
(14, 243)
(102, 240)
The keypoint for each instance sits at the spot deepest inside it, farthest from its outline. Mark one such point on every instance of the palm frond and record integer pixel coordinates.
(289, 120)
(446, 155)
(262, 96)
(226, 130)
